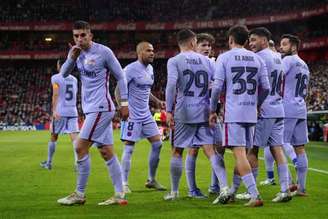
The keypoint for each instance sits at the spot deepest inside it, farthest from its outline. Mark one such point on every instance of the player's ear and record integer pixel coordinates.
(294, 48)
(91, 35)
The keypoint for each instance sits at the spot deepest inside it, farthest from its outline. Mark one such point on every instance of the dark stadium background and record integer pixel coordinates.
(35, 33)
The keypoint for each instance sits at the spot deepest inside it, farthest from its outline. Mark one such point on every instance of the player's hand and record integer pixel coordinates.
(56, 116)
(169, 120)
(213, 119)
(75, 52)
(161, 104)
(124, 112)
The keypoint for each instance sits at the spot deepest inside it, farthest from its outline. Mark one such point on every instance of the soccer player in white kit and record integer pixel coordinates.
(64, 112)
(94, 62)
(269, 129)
(297, 76)
(242, 72)
(141, 124)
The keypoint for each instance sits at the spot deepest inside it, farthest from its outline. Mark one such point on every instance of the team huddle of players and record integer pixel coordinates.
(261, 93)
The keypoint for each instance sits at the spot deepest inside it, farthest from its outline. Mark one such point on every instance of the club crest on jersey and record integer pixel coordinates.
(89, 61)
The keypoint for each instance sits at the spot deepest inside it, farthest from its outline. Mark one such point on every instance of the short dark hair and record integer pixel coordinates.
(239, 34)
(205, 37)
(261, 31)
(184, 35)
(293, 39)
(81, 25)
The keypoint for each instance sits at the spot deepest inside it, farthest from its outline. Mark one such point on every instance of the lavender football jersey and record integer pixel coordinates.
(272, 107)
(242, 71)
(66, 105)
(189, 76)
(297, 77)
(140, 79)
(95, 65)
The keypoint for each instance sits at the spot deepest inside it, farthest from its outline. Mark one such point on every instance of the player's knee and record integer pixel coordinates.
(157, 145)
(129, 143)
(299, 149)
(54, 137)
(177, 152)
(128, 149)
(193, 152)
(106, 152)
(219, 149)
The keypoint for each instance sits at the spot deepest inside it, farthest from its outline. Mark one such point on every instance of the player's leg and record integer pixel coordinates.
(263, 130)
(176, 167)
(269, 167)
(103, 138)
(90, 129)
(190, 166)
(262, 133)
(275, 141)
(181, 137)
(219, 170)
(279, 156)
(47, 164)
(130, 133)
(151, 132)
(126, 164)
(57, 127)
(214, 187)
(290, 152)
(73, 130)
(205, 137)
(83, 169)
(252, 156)
(73, 137)
(115, 172)
(299, 139)
(236, 180)
(245, 171)
(243, 136)
(289, 130)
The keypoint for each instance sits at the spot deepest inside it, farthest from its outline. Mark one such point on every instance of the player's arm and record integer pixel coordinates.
(55, 94)
(217, 87)
(114, 66)
(69, 64)
(264, 83)
(117, 96)
(157, 101)
(170, 91)
(218, 84)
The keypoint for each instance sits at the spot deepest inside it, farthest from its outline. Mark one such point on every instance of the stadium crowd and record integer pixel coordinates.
(142, 10)
(318, 94)
(25, 92)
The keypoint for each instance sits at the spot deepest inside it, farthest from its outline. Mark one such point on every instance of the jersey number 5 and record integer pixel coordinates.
(69, 92)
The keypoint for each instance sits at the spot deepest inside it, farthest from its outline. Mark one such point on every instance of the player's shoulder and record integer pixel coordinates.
(132, 66)
(224, 55)
(173, 59)
(289, 59)
(101, 47)
(56, 77)
(72, 77)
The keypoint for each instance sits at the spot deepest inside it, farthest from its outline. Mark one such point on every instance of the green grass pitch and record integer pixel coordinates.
(27, 191)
